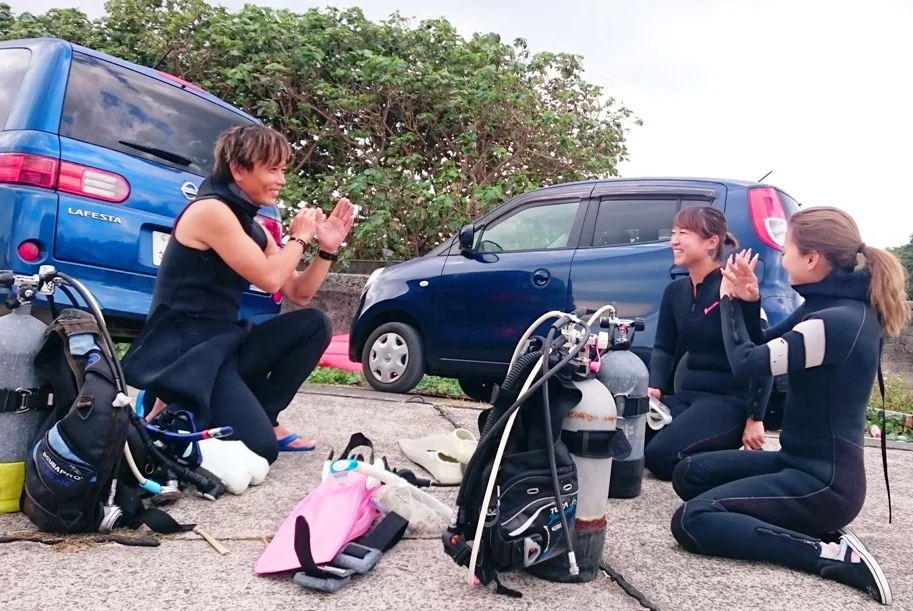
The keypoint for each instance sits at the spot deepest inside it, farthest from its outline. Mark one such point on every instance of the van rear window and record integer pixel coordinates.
(126, 111)
(13, 64)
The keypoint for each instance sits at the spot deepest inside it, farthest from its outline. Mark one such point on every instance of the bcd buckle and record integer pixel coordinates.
(24, 394)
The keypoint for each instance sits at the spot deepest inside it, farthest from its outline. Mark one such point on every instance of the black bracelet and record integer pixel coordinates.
(304, 245)
(329, 256)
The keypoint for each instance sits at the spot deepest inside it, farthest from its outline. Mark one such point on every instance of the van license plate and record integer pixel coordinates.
(159, 242)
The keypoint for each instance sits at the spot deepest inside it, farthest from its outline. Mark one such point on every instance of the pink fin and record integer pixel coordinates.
(338, 511)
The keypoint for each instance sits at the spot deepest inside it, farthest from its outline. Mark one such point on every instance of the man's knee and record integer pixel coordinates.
(315, 325)
(265, 446)
(260, 438)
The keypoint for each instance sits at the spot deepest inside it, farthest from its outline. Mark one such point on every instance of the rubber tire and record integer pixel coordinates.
(477, 389)
(415, 367)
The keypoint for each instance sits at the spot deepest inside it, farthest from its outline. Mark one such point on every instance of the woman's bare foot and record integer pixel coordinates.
(297, 444)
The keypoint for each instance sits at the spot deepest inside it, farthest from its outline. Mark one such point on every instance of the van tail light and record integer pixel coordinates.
(272, 226)
(90, 182)
(768, 218)
(48, 173)
(31, 170)
(275, 229)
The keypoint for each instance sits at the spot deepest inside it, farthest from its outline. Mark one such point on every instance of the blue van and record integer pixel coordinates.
(459, 311)
(97, 158)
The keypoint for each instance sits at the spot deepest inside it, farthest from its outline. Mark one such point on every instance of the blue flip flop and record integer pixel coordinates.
(285, 442)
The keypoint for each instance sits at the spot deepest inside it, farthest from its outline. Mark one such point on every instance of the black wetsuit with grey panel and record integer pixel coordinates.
(775, 506)
(712, 406)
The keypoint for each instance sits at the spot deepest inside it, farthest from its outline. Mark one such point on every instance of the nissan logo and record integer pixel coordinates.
(189, 190)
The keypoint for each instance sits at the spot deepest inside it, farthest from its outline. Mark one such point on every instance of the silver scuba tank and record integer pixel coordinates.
(21, 335)
(589, 432)
(626, 376)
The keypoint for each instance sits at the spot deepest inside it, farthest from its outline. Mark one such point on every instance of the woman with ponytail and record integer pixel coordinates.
(792, 507)
(713, 409)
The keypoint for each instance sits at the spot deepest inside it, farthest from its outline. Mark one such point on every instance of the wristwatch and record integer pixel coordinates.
(329, 256)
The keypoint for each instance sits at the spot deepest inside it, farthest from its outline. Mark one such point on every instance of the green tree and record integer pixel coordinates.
(6, 21)
(422, 127)
(69, 24)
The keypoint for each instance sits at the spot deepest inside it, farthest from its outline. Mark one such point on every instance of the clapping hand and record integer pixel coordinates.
(332, 231)
(304, 224)
(739, 278)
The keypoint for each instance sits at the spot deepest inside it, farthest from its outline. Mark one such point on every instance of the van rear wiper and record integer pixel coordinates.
(160, 153)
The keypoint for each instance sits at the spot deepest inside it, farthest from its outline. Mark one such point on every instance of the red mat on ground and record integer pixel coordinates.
(337, 355)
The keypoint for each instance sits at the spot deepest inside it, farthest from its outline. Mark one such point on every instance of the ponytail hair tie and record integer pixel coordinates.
(860, 249)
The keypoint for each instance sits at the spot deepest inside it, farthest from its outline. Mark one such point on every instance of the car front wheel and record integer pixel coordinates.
(393, 359)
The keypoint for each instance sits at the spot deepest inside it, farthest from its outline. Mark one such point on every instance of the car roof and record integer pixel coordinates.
(728, 182)
(39, 44)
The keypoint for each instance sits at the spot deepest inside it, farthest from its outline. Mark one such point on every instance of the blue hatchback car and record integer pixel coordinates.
(459, 311)
(97, 158)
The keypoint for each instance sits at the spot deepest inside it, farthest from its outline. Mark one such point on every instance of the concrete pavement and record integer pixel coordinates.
(186, 573)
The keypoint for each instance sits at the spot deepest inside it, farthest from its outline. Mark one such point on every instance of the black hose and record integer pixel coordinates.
(203, 484)
(66, 291)
(473, 470)
(521, 368)
(53, 306)
(551, 445)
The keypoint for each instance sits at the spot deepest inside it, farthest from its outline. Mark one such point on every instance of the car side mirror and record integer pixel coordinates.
(467, 237)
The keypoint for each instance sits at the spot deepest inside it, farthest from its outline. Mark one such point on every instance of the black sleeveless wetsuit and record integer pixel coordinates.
(775, 506)
(195, 351)
(711, 408)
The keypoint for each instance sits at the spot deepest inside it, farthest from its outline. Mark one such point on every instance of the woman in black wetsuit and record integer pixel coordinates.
(194, 351)
(714, 410)
(792, 507)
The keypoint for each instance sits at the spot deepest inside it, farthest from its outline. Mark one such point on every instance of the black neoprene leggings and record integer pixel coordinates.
(254, 386)
(767, 506)
(701, 422)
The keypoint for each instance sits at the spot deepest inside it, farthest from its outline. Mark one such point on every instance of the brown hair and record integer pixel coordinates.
(834, 235)
(706, 222)
(248, 145)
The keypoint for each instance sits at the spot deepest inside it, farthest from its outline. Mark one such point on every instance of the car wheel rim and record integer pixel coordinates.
(389, 358)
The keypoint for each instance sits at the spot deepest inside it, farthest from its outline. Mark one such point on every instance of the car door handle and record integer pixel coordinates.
(541, 277)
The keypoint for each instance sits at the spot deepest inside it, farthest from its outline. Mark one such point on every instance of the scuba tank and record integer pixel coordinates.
(626, 376)
(596, 442)
(24, 399)
(590, 434)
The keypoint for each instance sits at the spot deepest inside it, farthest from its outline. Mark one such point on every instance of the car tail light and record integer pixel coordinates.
(21, 169)
(48, 173)
(767, 216)
(93, 183)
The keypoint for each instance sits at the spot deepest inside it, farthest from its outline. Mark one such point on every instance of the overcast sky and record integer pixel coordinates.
(818, 92)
